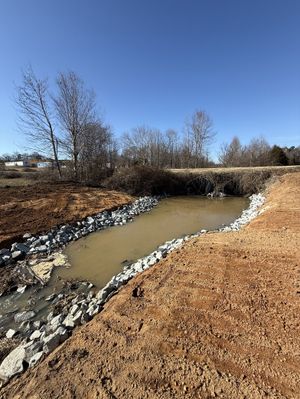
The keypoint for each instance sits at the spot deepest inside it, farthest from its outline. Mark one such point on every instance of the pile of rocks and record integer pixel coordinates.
(256, 201)
(46, 335)
(61, 235)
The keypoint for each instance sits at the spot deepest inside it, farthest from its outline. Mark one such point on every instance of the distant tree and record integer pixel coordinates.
(257, 152)
(75, 106)
(277, 156)
(96, 155)
(199, 135)
(35, 116)
(293, 154)
(171, 147)
(231, 154)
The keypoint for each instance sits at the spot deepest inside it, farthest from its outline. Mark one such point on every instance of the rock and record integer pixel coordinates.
(50, 316)
(26, 236)
(50, 297)
(56, 321)
(6, 257)
(17, 255)
(74, 309)
(13, 363)
(85, 317)
(31, 348)
(4, 251)
(21, 247)
(44, 238)
(42, 248)
(37, 324)
(21, 290)
(69, 322)
(35, 358)
(24, 316)
(35, 243)
(77, 318)
(35, 335)
(52, 341)
(11, 333)
(90, 220)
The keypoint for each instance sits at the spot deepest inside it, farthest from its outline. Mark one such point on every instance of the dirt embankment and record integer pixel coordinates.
(37, 208)
(218, 318)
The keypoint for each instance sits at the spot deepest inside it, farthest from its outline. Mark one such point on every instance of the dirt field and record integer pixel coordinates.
(218, 318)
(42, 206)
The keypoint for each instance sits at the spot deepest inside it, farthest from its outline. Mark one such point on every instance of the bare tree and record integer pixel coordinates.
(199, 135)
(231, 154)
(35, 116)
(75, 107)
(96, 154)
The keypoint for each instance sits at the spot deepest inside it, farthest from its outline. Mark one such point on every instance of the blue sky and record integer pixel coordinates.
(154, 62)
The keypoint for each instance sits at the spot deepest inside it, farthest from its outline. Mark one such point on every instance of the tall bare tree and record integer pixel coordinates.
(199, 135)
(35, 115)
(75, 107)
(231, 154)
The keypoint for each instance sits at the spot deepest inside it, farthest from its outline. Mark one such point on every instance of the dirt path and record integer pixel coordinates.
(42, 206)
(218, 318)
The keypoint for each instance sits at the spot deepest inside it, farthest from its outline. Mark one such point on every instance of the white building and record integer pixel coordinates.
(17, 163)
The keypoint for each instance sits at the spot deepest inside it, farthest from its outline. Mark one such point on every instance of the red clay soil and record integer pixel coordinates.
(217, 318)
(37, 208)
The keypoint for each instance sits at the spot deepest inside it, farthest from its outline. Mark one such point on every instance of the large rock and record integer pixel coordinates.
(17, 255)
(11, 333)
(52, 341)
(13, 363)
(24, 316)
(21, 247)
(4, 251)
(56, 321)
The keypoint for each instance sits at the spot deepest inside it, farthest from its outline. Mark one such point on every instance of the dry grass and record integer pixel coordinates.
(283, 169)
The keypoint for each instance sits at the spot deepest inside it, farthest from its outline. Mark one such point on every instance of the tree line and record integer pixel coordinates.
(65, 124)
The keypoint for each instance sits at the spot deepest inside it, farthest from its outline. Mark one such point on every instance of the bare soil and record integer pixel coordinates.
(37, 208)
(217, 318)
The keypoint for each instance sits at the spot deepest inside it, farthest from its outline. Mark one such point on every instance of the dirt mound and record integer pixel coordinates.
(37, 208)
(218, 318)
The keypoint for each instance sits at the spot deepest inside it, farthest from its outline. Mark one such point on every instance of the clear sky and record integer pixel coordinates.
(154, 62)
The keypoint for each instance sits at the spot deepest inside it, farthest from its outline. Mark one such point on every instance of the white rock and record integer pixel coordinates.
(21, 290)
(35, 358)
(35, 335)
(11, 333)
(13, 363)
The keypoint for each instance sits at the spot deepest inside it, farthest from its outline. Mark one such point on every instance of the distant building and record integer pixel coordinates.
(44, 164)
(23, 164)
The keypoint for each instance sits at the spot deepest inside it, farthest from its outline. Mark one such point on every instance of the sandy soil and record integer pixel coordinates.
(40, 207)
(217, 318)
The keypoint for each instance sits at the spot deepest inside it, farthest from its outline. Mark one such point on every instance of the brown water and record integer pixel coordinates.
(99, 256)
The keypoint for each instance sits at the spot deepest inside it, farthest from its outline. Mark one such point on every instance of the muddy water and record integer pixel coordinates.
(103, 254)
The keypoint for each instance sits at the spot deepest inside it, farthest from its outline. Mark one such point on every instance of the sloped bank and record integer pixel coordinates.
(49, 333)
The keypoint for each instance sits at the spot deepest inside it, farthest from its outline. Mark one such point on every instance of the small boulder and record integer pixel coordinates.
(35, 358)
(24, 316)
(11, 333)
(13, 364)
(21, 247)
(22, 289)
(17, 255)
